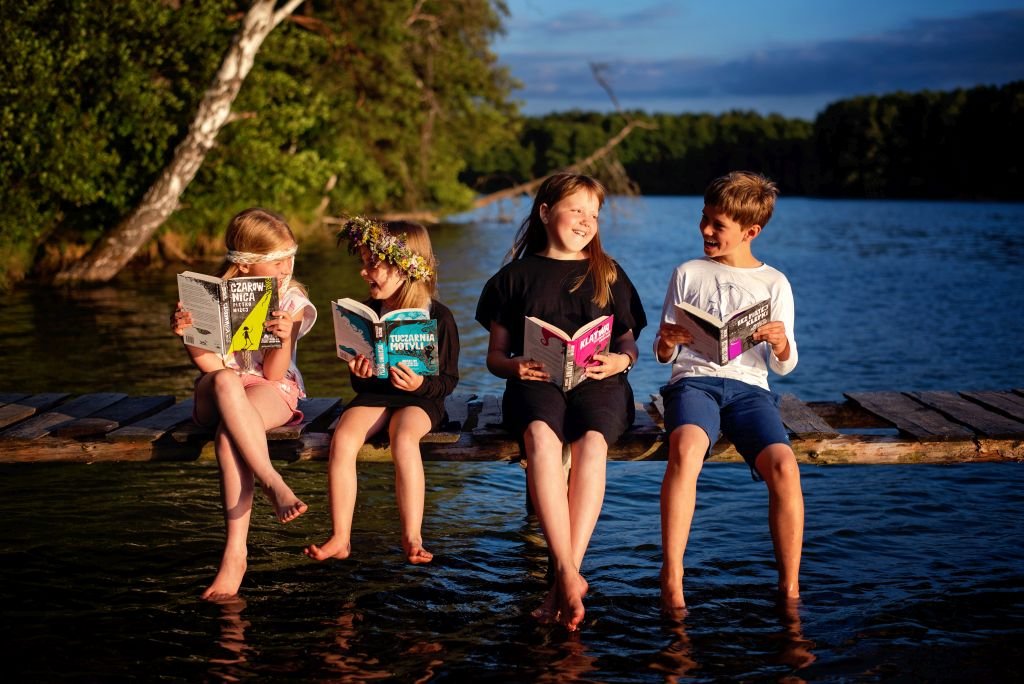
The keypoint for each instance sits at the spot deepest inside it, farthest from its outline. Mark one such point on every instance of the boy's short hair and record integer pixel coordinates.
(748, 198)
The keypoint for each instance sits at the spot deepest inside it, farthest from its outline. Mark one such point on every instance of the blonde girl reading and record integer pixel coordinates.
(559, 273)
(243, 395)
(400, 271)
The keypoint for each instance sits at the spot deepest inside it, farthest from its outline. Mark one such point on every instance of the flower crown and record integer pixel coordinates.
(384, 247)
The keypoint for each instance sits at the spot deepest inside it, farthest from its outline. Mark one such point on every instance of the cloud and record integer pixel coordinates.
(936, 54)
(576, 22)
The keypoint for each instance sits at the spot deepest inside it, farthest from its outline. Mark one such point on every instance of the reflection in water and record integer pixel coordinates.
(232, 640)
(794, 648)
(676, 660)
(342, 656)
(568, 661)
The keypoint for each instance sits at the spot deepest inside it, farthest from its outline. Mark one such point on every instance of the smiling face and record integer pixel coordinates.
(725, 239)
(571, 223)
(384, 279)
(280, 269)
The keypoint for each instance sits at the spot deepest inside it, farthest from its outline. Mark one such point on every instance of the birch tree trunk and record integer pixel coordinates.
(116, 248)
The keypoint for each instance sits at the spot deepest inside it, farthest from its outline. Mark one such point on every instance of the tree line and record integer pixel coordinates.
(374, 106)
(961, 144)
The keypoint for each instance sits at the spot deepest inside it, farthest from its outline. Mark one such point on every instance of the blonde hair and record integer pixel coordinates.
(532, 236)
(257, 231)
(748, 198)
(415, 293)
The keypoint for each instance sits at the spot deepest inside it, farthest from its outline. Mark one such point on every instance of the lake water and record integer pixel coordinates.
(910, 573)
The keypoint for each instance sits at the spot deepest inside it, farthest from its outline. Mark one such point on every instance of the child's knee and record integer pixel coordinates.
(688, 443)
(777, 465)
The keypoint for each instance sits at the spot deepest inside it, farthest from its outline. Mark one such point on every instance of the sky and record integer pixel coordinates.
(791, 57)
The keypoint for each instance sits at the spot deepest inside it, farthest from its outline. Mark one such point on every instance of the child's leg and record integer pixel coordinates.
(688, 444)
(551, 503)
(355, 426)
(586, 490)
(236, 488)
(246, 414)
(777, 464)
(408, 425)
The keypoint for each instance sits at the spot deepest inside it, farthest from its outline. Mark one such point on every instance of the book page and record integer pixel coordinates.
(705, 334)
(353, 334)
(544, 345)
(201, 298)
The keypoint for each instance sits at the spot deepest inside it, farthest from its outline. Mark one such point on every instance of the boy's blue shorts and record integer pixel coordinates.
(747, 414)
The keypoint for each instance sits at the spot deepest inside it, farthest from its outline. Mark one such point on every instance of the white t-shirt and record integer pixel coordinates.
(292, 301)
(722, 290)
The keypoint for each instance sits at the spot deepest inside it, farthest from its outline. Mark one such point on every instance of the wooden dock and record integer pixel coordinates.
(866, 428)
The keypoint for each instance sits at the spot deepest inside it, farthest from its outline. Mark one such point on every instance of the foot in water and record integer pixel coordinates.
(416, 554)
(286, 505)
(229, 577)
(335, 547)
(672, 602)
(564, 602)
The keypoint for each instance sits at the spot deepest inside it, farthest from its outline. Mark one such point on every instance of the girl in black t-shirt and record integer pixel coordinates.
(400, 270)
(559, 273)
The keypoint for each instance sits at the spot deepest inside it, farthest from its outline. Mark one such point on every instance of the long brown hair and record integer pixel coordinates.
(532, 236)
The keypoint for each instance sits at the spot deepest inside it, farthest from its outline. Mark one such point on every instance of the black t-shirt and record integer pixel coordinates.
(435, 387)
(540, 286)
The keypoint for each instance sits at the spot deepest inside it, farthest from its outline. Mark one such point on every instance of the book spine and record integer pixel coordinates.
(224, 334)
(569, 367)
(380, 350)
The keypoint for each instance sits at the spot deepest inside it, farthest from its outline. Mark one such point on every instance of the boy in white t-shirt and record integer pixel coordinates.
(703, 397)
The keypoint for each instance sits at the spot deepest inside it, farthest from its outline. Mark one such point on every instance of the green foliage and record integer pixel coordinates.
(387, 97)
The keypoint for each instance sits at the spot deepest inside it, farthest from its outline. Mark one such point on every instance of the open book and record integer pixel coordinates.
(228, 314)
(566, 357)
(407, 336)
(722, 341)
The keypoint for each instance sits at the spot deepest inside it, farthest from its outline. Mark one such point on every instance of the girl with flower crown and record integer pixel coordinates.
(399, 267)
(245, 394)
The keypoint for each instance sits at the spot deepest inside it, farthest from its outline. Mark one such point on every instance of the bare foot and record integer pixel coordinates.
(416, 554)
(287, 506)
(570, 604)
(335, 547)
(672, 602)
(229, 578)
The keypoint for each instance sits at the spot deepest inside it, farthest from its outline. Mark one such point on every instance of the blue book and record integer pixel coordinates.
(406, 336)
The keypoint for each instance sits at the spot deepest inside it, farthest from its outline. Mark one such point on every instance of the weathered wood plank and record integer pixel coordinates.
(980, 419)
(12, 397)
(909, 416)
(156, 426)
(128, 410)
(1009, 404)
(801, 421)
(16, 411)
(313, 410)
(79, 407)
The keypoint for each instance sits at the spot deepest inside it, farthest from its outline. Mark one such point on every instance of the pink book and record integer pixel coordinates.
(566, 356)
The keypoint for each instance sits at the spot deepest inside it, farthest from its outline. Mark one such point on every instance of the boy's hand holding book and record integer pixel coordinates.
(671, 336)
(774, 333)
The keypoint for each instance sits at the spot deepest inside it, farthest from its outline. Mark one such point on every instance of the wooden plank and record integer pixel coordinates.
(910, 417)
(128, 410)
(156, 426)
(800, 420)
(980, 419)
(1009, 404)
(25, 408)
(79, 407)
(313, 410)
(12, 397)
(457, 408)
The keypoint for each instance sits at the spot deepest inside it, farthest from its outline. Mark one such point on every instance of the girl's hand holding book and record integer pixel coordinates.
(280, 325)
(404, 378)
(361, 367)
(528, 369)
(181, 319)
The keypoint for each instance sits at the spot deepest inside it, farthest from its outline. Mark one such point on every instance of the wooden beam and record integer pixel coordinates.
(910, 417)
